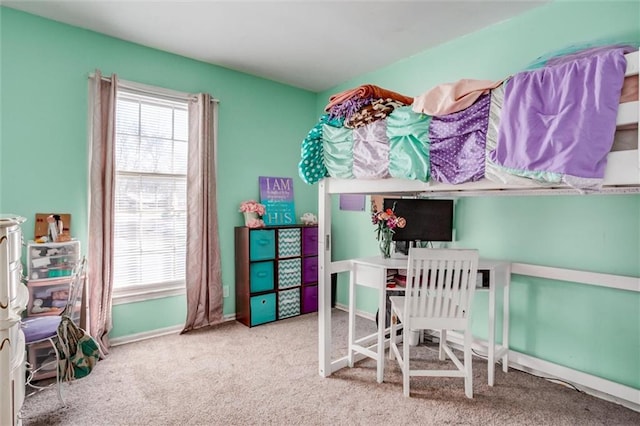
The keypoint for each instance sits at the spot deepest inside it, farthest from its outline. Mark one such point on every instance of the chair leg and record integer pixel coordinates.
(58, 378)
(468, 369)
(405, 365)
(392, 337)
(58, 384)
(441, 343)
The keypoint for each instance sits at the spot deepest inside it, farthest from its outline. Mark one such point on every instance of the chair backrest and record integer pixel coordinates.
(440, 288)
(73, 308)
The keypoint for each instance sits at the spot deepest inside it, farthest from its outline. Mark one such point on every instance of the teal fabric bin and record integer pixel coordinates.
(261, 276)
(262, 244)
(263, 309)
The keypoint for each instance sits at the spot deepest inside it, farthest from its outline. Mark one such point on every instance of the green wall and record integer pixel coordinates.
(43, 160)
(43, 133)
(588, 328)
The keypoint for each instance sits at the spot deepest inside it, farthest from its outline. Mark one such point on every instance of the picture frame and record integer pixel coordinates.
(41, 228)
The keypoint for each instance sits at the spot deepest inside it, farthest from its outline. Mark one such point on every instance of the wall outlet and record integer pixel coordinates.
(225, 291)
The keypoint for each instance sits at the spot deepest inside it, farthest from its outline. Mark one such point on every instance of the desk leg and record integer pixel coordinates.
(352, 315)
(382, 322)
(492, 331)
(505, 327)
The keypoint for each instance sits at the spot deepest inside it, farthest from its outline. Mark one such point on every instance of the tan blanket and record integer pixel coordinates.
(448, 98)
(365, 91)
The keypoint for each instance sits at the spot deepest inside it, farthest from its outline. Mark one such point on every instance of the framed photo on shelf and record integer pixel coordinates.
(61, 223)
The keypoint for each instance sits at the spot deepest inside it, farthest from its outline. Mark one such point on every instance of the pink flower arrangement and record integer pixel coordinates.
(252, 206)
(253, 220)
(386, 221)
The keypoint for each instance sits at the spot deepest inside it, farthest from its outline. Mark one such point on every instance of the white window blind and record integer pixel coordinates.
(150, 191)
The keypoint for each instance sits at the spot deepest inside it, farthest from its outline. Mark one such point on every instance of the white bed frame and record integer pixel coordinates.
(622, 175)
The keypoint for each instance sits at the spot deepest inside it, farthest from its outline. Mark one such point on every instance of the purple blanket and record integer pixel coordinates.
(457, 152)
(562, 118)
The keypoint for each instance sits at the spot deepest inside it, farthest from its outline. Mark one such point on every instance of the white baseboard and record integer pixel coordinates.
(146, 335)
(155, 333)
(359, 313)
(596, 386)
(587, 383)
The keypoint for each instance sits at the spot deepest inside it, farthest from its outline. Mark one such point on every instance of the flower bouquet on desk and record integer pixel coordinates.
(253, 212)
(386, 222)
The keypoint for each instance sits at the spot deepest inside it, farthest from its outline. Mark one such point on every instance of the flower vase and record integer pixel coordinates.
(249, 218)
(385, 244)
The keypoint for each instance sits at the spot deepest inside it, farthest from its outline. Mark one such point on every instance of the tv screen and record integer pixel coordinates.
(427, 220)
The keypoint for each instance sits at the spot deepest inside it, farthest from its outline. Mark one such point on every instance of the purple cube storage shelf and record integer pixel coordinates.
(309, 299)
(310, 270)
(276, 272)
(310, 240)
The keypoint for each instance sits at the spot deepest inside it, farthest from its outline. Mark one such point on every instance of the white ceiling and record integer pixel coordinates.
(309, 44)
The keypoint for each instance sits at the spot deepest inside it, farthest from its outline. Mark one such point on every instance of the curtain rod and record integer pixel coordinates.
(160, 91)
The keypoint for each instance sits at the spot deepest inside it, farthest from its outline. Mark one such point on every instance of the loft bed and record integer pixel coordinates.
(619, 173)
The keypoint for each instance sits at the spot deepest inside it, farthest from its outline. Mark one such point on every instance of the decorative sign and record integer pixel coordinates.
(276, 193)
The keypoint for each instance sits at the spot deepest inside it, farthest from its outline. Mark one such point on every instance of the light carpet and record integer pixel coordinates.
(268, 375)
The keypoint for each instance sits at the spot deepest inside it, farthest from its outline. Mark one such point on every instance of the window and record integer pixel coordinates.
(150, 194)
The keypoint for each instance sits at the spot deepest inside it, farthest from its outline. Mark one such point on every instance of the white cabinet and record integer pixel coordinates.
(13, 300)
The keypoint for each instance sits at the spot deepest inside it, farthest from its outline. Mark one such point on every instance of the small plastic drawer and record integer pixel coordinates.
(288, 303)
(47, 297)
(263, 309)
(289, 273)
(262, 244)
(289, 242)
(43, 358)
(261, 276)
(51, 260)
(309, 299)
(310, 270)
(310, 240)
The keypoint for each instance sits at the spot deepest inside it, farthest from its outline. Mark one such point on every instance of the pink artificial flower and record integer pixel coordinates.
(387, 221)
(252, 206)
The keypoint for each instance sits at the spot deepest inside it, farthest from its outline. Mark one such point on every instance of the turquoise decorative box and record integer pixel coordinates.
(263, 309)
(261, 276)
(262, 244)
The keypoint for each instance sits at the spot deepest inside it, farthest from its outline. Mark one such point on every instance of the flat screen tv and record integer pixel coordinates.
(427, 219)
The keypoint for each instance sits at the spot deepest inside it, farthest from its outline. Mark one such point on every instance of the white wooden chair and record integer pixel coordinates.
(438, 296)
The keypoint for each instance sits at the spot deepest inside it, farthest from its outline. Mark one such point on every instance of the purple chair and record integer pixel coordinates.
(45, 328)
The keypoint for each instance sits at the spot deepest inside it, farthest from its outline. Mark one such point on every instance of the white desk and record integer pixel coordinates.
(372, 272)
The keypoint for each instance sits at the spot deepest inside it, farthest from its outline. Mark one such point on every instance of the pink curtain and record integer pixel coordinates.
(101, 205)
(203, 275)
